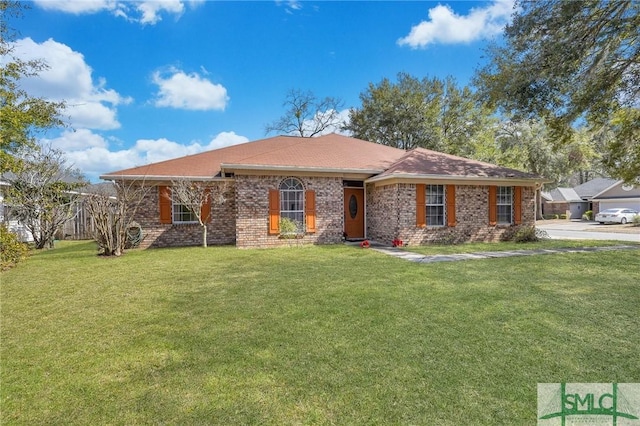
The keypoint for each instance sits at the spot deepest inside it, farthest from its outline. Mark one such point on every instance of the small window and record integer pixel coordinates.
(435, 205)
(292, 201)
(182, 214)
(505, 204)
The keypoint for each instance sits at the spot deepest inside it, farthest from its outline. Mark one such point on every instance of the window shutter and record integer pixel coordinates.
(493, 206)
(421, 210)
(310, 210)
(274, 212)
(451, 205)
(205, 210)
(517, 205)
(164, 196)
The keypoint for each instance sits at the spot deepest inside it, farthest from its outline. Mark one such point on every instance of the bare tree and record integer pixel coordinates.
(43, 193)
(113, 215)
(308, 116)
(196, 198)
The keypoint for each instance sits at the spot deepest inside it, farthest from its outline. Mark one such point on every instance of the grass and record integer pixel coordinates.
(309, 335)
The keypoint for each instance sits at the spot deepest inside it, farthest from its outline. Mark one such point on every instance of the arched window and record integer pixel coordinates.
(292, 201)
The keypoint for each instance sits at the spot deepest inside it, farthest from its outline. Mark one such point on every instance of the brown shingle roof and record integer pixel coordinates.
(422, 162)
(333, 152)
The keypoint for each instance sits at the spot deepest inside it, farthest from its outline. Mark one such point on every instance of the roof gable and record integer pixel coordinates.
(593, 187)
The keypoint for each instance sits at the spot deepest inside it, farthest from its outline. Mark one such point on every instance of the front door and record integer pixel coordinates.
(354, 212)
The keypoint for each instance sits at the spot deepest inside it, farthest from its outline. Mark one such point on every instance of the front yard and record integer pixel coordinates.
(311, 335)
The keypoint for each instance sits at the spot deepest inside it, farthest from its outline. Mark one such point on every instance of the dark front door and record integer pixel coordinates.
(354, 212)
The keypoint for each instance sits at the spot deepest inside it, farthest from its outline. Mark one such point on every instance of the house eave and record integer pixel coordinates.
(461, 179)
(163, 178)
(304, 169)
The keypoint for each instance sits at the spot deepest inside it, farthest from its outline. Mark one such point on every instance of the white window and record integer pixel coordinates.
(435, 205)
(182, 214)
(505, 204)
(292, 201)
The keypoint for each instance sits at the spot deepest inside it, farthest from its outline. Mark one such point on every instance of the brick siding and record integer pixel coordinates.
(221, 227)
(391, 213)
(253, 211)
(242, 218)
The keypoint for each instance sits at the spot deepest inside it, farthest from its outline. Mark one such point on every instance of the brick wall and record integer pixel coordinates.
(221, 228)
(391, 213)
(252, 201)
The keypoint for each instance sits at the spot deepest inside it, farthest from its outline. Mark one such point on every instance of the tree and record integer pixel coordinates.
(42, 193)
(622, 137)
(113, 215)
(197, 198)
(529, 145)
(21, 116)
(307, 116)
(567, 62)
(428, 113)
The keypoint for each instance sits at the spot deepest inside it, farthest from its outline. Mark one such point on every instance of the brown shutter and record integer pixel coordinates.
(310, 210)
(517, 205)
(493, 206)
(274, 212)
(205, 210)
(421, 210)
(451, 205)
(164, 195)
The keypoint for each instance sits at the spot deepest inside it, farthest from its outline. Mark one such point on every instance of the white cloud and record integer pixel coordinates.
(94, 155)
(189, 91)
(69, 78)
(342, 119)
(77, 6)
(144, 12)
(447, 27)
(150, 10)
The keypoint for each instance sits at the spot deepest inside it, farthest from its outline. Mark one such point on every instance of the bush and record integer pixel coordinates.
(12, 251)
(563, 216)
(529, 234)
(289, 228)
(588, 215)
(636, 220)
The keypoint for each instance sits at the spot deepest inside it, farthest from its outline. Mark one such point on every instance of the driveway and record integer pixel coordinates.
(583, 230)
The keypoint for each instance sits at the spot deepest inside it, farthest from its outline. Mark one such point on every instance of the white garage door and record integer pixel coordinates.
(627, 204)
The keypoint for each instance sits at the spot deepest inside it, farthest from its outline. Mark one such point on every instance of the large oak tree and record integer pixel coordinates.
(570, 63)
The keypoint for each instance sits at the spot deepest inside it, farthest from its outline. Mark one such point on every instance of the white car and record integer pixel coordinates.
(616, 216)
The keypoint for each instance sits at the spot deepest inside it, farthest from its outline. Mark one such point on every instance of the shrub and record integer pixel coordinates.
(529, 234)
(563, 216)
(289, 228)
(12, 251)
(636, 220)
(588, 215)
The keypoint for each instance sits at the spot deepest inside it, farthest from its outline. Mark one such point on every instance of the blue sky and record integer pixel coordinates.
(150, 80)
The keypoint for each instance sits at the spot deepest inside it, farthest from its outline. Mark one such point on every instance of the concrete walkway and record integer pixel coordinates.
(420, 258)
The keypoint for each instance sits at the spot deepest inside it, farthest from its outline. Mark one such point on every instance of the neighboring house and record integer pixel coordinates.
(619, 195)
(578, 200)
(13, 225)
(335, 187)
(563, 201)
(79, 227)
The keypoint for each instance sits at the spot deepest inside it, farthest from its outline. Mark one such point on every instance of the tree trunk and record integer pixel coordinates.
(539, 204)
(204, 236)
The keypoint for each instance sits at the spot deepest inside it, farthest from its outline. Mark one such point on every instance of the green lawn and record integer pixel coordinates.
(310, 335)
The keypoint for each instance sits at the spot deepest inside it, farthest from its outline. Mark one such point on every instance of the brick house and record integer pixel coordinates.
(332, 187)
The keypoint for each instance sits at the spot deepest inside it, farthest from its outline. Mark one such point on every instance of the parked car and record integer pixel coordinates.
(618, 215)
